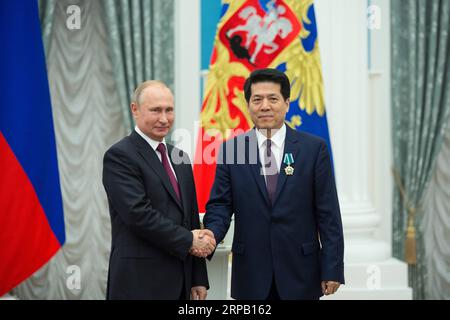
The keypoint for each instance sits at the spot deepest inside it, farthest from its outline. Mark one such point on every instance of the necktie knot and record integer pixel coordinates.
(161, 148)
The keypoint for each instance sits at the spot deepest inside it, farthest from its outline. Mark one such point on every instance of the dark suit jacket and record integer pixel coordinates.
(298, 240)
(151, 234)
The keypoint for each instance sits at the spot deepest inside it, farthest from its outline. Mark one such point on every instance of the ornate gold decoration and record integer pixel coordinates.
(303, 68)
(295, 122)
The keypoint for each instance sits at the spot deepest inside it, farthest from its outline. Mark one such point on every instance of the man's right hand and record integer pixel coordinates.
(203, 243)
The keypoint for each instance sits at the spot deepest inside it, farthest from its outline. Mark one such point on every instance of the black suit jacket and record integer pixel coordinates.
(151, 234)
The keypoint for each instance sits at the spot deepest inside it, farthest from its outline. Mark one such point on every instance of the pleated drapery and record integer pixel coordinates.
(420, 109)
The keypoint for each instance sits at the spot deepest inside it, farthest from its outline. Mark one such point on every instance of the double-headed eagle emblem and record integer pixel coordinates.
(261, 34)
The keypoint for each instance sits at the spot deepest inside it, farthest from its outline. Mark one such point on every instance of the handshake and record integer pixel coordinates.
(203, 243)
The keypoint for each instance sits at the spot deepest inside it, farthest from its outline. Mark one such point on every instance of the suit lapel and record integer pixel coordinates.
(155, 164)
(291, 145)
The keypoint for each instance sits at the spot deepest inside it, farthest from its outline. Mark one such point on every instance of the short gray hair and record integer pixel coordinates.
(149, 83)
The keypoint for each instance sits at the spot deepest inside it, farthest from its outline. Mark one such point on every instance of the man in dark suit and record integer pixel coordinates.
(279, 184)
(153, 208)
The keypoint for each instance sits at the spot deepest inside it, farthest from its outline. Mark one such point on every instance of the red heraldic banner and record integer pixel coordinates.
(256, 34)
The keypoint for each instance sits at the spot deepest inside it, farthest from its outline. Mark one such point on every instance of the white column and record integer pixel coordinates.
(358, 114)
(187, 74)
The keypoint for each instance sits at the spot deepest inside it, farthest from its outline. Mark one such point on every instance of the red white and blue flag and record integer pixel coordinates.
(31, 210)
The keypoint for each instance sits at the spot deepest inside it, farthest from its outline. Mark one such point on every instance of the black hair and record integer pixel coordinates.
(267, 75)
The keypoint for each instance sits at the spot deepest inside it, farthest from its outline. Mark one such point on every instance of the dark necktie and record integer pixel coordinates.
(271, 170)
(165, 162)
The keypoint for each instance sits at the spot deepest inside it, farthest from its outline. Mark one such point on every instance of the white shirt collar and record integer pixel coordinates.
(278, 138)
(153, 143)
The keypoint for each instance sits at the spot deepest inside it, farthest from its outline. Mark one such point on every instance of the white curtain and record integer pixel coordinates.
(436, 226)
(88, 119)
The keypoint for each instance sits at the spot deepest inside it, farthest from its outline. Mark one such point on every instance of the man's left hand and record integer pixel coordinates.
(198, 293)
(329, 287)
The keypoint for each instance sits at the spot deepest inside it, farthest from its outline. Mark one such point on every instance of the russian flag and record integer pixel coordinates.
(31, 210)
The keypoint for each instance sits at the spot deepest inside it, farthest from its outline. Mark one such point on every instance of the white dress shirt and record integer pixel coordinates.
(154, 144)
(277, 146)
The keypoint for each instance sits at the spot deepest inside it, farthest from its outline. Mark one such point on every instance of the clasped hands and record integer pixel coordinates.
(203, 243)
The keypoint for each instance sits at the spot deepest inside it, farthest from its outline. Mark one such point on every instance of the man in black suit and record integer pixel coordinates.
(288, 241)
(153, 208)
